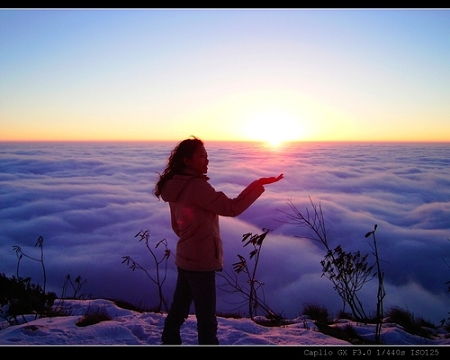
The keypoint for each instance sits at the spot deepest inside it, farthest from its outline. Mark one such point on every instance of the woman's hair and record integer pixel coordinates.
(175, 164)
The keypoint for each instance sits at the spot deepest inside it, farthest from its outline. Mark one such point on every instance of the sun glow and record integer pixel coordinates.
(274, 128)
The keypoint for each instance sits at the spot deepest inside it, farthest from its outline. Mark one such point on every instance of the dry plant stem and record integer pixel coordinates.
(160, 278)
(76, 289)
(20, 254)
(249, 293)
(381, 292)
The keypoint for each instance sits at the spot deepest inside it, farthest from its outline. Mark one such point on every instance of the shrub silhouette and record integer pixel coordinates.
(251, 290)
(20, 296)
(23, 297)
(160, 277)
(347, 271)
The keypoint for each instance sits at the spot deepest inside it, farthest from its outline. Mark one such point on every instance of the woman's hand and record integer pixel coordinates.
(270, 180)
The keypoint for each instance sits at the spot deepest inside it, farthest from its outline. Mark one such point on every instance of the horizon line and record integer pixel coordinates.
(233, 141)
(225, 140)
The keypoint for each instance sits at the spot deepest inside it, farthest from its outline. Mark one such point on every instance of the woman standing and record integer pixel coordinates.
(195, 207)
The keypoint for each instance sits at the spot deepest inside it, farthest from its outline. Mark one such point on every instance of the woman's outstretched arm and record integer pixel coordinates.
(270, 180)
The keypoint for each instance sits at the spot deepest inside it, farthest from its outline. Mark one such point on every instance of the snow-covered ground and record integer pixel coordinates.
(128, 327)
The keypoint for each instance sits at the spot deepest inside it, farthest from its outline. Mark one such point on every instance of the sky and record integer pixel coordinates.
(128, 327)
(89, 200)
(232, 74)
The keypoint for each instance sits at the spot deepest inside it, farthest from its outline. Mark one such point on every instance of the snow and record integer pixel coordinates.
(128, 327)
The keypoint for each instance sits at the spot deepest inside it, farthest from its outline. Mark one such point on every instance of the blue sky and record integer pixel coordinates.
(155, 74)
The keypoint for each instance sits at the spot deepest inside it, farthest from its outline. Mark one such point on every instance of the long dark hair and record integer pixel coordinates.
(175, 164)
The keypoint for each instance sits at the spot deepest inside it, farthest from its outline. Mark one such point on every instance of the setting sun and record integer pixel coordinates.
(274, 128)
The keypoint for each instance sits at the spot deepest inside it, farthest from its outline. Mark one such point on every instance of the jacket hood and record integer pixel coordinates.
(173, 187)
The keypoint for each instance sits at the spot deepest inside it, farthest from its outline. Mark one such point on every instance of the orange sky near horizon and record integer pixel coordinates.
(225, 75)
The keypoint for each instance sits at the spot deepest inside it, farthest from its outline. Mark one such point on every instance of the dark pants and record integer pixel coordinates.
(199, 287)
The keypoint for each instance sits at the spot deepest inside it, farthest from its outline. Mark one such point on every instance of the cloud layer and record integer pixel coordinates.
(88, 201)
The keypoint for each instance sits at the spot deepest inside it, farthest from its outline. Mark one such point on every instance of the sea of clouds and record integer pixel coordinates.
(89, 200)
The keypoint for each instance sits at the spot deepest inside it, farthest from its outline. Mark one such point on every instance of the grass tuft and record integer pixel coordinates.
(91, 318)
(316, 312)
(406, 319)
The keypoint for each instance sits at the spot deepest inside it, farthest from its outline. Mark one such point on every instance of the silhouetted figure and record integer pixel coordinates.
(195, 207)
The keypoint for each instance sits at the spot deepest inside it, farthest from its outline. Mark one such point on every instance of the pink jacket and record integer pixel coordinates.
(195, 207)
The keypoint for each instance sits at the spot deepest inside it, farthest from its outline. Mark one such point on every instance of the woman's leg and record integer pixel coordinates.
(179, 310)
(203, 287)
